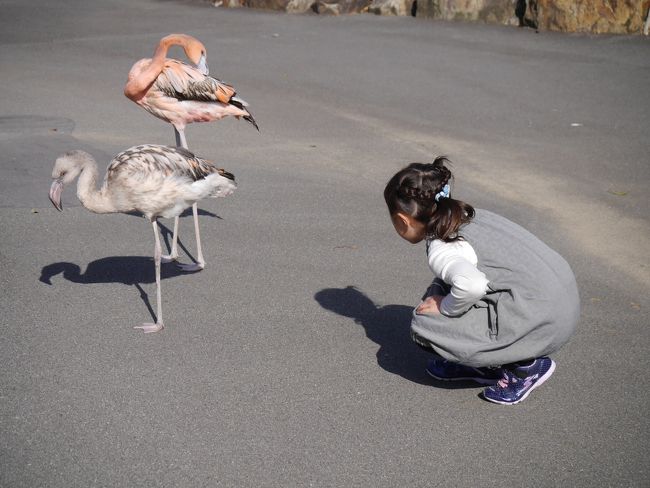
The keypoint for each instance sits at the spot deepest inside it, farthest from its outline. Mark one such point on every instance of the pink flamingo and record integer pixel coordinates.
(181, 94)
(157, 181)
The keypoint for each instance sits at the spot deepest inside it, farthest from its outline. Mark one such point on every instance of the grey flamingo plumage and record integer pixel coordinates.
(157, 181)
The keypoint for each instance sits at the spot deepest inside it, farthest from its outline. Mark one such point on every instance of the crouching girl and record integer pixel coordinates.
(501, 302)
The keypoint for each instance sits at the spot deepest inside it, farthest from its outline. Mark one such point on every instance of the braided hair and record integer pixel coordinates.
(418, 191)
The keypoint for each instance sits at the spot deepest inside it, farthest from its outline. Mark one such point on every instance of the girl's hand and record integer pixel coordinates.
(430, 306)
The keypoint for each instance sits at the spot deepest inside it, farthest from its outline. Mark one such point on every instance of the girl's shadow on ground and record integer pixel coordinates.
(388, 326)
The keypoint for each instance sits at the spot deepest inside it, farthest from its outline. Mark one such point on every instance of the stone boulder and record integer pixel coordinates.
(266, 4)
(323, 7)
(228, 3)
(300, 6)
(326, 8)
(493, 11)
(391, 7)
(352, 6)
(593, 16)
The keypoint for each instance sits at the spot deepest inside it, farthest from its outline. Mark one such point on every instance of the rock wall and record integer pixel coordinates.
(593, 16)
(589, 16)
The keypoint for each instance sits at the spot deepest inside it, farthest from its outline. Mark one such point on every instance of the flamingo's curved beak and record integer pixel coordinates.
(55, 194)
(202, 65)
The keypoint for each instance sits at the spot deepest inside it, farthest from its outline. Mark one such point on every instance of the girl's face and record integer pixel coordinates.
(408, 228)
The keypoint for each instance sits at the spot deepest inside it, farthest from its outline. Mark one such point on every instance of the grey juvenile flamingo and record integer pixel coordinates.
(158, 181)
(181, 94)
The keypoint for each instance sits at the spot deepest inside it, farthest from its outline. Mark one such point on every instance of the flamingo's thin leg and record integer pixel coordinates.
(173, 254)
(180, 138)
(200, 263)
(157, 253)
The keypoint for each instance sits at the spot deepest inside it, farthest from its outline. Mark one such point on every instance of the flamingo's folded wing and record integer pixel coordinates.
(182, 81)
(150, 159)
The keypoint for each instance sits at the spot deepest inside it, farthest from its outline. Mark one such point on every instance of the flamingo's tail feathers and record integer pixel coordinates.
(249, 118)
(242, 105)
(226, 174)
(238, 102)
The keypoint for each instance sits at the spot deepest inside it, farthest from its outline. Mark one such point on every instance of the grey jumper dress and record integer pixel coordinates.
(531, 307)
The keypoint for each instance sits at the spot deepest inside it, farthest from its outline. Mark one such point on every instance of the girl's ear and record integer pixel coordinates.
(400, 222)
(403, 218)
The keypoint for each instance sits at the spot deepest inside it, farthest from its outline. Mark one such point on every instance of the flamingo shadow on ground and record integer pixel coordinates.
(129, 270)
(389, 327)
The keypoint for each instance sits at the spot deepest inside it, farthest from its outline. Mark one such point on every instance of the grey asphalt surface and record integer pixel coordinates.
(287, 361)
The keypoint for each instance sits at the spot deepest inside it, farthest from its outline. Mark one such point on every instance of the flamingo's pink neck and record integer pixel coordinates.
(168, 41)
(139, 83)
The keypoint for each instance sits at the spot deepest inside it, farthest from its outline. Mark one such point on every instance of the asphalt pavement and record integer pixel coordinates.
(287, 361)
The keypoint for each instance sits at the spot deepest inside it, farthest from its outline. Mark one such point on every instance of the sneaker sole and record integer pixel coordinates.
(539, 382)
(482, 381)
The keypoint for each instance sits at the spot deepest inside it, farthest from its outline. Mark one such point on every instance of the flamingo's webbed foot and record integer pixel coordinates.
(149, 327)
(191, 268)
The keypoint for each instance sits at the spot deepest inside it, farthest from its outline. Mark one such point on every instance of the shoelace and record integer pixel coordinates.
(507, 380)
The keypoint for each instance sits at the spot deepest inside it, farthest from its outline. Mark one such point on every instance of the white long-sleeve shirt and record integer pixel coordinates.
(455, 263)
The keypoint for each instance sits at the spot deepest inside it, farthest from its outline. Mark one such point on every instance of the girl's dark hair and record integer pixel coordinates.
(412, 191)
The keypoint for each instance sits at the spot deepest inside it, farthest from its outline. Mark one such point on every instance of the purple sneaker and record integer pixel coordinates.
(444, 370)
(517, 383)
